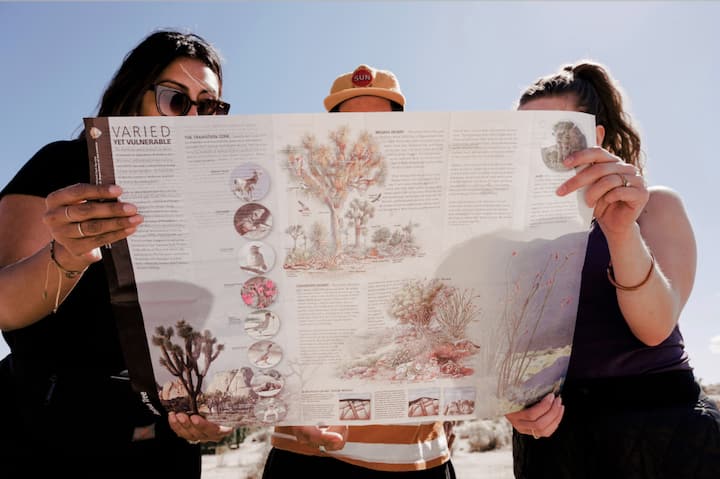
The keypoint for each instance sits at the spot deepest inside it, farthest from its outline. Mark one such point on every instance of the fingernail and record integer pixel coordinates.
(114, 189)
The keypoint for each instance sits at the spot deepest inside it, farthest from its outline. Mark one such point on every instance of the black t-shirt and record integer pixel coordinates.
(62, 367)
(63, 383)
(82, 335)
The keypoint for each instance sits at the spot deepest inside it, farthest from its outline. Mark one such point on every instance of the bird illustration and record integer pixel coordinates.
(255, 261)
(266, 356)
(303, 208)
(375, 198)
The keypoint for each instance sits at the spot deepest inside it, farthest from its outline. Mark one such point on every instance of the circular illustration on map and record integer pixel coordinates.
(568, 139)
(265, 354)
(267, 384)
(253, 221)
(249, 182)
(270, 410)
(262, 324)
(256, 258)
(259, 292)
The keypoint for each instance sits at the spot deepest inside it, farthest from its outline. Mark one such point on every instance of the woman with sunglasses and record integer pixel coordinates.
(65, 380)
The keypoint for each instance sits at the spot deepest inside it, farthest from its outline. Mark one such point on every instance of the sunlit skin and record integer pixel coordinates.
(635, 219)
(188, 75)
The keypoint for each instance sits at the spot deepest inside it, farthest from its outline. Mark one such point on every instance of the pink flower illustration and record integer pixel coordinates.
(258, 292)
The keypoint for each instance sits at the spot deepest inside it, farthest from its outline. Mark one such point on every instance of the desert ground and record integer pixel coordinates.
(246, 461)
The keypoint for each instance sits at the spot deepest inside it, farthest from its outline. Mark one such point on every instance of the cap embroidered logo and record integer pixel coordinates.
(362, 77)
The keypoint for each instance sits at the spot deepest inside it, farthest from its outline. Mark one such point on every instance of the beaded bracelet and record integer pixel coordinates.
(611, 276)
(68, 272)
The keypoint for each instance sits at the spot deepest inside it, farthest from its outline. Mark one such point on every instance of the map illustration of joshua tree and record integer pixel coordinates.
(188, 361)
(230, 397)
(343, 177)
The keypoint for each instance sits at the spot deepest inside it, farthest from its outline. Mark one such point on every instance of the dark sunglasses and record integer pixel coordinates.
(172, 102)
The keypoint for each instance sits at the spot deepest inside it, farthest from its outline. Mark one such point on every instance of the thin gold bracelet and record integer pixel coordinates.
(611, 276)
(60, 270)
(68, 272)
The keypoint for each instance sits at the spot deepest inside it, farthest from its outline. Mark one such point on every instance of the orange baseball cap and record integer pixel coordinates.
(364, 80)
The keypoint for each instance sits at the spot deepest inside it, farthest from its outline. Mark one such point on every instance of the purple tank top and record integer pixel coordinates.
(603, 345)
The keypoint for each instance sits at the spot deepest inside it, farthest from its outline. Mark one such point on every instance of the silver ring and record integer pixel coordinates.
(624, 180)
(79, 227)
(194, 442)
(535, 436)
(67, 215)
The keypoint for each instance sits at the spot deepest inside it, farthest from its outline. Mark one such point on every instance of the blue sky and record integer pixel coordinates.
(281, 57)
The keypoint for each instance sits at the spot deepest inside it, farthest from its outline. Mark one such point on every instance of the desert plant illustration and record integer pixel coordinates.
(229, 397)
(190, 360)
(313, 251)
(428, 340)
(259, 292)
(339, 175)
(415, 303)
(522, 355)
(330, 172)
(359, 213)
(396, 243)
(300, 256)
(296, 232)
(318, 238)
(381, 236)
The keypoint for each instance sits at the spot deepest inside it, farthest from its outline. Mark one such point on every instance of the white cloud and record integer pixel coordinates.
(715, 344)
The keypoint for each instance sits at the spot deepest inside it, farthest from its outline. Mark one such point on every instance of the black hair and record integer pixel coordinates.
(595, 92)
(394, 106)
(142, 66)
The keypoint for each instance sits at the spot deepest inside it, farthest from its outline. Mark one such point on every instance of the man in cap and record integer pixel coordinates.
(363, 90)
(417, 450)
